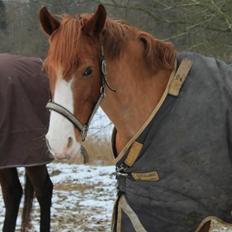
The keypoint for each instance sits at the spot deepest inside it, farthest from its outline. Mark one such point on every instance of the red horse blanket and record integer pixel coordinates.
(24, 92)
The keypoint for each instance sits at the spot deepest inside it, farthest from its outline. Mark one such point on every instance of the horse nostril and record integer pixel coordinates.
(70, 142)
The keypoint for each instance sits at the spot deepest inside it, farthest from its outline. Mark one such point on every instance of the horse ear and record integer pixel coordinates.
(48, 23)
(158, 54)
(96, 23)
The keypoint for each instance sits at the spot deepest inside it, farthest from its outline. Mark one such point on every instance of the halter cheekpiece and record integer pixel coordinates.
(83, 128)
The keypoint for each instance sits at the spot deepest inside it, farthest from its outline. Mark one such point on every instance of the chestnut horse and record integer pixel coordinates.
(24, 120)
(139, 82)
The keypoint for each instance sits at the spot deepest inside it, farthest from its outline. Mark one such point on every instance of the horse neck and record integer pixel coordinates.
(137, 93)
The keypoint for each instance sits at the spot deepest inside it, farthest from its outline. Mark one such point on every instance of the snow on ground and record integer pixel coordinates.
(82, 201)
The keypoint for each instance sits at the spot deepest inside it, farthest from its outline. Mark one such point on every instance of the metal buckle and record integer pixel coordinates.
(121, 171)
(103, 66)
(84, 132)
(121, 174)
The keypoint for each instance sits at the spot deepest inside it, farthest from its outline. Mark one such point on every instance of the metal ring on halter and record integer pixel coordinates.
(103, 67)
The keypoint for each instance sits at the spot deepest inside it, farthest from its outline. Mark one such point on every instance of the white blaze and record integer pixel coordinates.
(60, 129)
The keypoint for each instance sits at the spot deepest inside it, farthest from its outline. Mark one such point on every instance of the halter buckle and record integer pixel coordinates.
(84, 132)
(103, 66)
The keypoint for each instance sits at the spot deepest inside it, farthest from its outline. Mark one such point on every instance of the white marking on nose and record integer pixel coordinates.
(61, 131)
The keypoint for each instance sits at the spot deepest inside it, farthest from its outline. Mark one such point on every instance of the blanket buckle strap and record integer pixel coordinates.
(121, 176)
(121, 170)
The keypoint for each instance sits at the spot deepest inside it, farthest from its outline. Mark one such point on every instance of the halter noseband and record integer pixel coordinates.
(83, 128)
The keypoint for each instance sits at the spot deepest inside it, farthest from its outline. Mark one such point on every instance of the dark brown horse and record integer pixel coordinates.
(172, 114)
(24, 93)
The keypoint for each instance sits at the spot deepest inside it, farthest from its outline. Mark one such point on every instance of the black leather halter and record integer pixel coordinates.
(83, 128)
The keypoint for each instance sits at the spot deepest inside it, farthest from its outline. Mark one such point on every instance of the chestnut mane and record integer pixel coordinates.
(114, 37)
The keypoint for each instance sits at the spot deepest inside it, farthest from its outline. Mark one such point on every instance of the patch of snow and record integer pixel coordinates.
(87, 206)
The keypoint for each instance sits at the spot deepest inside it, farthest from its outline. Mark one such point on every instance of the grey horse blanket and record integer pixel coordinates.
(24, 92)
(178, 170)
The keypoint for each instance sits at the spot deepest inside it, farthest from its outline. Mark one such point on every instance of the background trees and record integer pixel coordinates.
(203, 26)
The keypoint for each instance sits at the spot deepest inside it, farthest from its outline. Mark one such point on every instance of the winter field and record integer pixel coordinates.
(84, 195)
(82, 201)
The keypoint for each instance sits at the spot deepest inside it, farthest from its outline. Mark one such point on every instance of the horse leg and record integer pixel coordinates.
(43, 188)
(12, 193)
(28, 203)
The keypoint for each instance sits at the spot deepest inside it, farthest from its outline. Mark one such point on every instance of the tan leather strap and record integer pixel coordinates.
(124, 206)
(133, 153)
(180, 77)
(213, 224)
(146, 176)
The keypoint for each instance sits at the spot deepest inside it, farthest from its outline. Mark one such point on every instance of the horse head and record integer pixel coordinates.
(72, 64)
(79, 46)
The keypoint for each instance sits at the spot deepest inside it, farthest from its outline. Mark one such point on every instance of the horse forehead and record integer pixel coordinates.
(60, 76)
(63, 86)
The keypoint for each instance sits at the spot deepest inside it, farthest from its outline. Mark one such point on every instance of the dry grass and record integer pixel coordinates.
(98, 151)
(73, 187)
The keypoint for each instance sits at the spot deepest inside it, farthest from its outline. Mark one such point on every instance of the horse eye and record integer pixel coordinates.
(88, 71)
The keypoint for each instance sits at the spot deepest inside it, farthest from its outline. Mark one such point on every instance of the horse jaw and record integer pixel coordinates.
(61, 134)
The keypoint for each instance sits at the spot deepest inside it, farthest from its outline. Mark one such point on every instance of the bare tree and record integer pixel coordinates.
(3, 23)
(203, 26)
